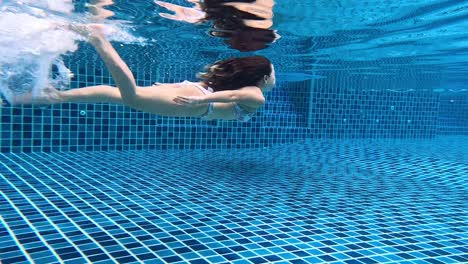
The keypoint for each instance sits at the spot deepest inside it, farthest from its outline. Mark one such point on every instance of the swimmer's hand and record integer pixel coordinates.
(188, 100)
(186, 14)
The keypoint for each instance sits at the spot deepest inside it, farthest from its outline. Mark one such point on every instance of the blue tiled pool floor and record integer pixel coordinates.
(310, 202)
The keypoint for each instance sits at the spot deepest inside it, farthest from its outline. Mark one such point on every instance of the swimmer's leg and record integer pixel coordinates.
(119, 70)
(122, 75)
(91, 94)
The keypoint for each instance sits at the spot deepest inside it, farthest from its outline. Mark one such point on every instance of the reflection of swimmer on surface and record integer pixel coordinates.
(245, 24)
(181, 13)
(231, 89)
(97, 8)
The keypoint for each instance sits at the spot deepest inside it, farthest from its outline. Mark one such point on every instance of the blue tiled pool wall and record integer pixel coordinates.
(453, 114)
(349, 105)
(101, 127)
(80, 127)
(341, 105)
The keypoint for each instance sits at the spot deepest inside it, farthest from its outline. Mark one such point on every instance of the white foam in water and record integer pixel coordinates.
(64, 6)
(31, 43)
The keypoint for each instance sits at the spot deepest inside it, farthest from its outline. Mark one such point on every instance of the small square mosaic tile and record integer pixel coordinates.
(357, 201)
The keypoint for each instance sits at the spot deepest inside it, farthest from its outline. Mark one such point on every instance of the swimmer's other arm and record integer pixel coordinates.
(250, 97)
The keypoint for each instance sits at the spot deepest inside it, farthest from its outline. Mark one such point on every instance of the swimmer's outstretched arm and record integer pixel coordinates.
(119, 70)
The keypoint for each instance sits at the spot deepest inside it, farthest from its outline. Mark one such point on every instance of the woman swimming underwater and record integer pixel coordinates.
(231, 89)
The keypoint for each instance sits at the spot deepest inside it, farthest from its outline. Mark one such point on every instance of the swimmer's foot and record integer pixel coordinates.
(47, 96)
(3, 102)
(88, 31)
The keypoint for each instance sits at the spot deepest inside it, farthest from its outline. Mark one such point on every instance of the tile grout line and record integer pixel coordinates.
(12, 234)
(35, 207)
(48, 200)
(113, 208)
(86, 202)
(120, 202)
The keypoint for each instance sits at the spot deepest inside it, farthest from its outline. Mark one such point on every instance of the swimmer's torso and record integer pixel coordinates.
(167, 93)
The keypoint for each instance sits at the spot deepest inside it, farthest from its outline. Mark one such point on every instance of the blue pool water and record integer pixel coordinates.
(359, 156)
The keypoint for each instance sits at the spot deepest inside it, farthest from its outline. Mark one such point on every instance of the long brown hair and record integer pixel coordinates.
(247, 39)
(235, 73)
(229, 22)
(216, 9)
